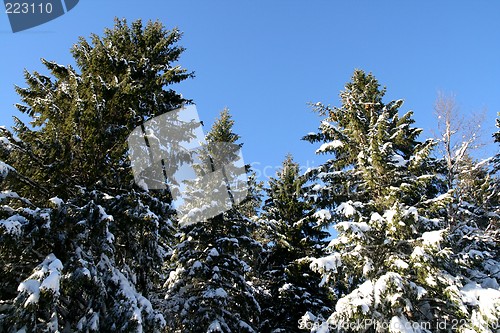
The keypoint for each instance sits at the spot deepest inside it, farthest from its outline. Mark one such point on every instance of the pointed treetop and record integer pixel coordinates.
(363, 88)
(222, 129)
(284, 190)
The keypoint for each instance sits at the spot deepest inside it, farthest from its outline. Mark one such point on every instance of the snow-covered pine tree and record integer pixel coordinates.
(475, 237)
(390, 264)
(474, 196)
(220, 133)
(292, 236)
(470, 214)
(90, 257)
(209, 288)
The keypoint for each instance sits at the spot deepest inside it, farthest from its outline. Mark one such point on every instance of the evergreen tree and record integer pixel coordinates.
(474, 194)
(209, 288)
(472, 215)
(390, 264)
(82, 246)
(293, 235)
(82, 119)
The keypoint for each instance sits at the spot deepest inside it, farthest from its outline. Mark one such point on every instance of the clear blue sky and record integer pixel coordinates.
(266, 60)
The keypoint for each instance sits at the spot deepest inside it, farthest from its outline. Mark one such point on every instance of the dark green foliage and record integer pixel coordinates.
(381, 187)
(292, 235)
(209, 287)
(82, 117)
(221, 131)
(371, 136)
(102, 242)
(83, 248)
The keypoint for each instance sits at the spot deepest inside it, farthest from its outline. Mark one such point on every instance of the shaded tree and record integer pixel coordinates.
(293, 234)
(88, 246)
(209, 287)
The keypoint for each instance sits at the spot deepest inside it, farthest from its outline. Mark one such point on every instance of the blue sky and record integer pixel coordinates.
(265, 60)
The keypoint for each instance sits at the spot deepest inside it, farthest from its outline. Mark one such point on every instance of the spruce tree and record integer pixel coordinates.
(82, 118)
(391, 265)
(209, 288)
(292, 236)
(86, 247)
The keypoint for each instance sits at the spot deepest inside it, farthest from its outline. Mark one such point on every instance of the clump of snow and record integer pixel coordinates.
(8, 194)
(4, 169)
(485, 300)
(398, 160)
(308, 316)
(307, 319)
(341, 239)
(490, 283)
(357, 228)
(359, 300)
(417, 252)
(329, 146)
(51, 282)
(369, 296)
(213, 252)
(401, 325)
(13, 225)
(346, 209)
(109, 236)
(326, 264)
(376, 217)
(430, 280)
(245, 327)
(367, 267)
(56, 201)
(432, 238)
(401, 264)
(443, 197)
(326, 124)
(285, 287)
(54, 267)
(317, 187)
(31, 287)
(323, 215)
(49, 273)
(389, 215)
(215, 327)
(412, 211)
(197, 264)
(107, 196)
(217, 293)
(387, 281)
(104, 215)
(421, 291)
